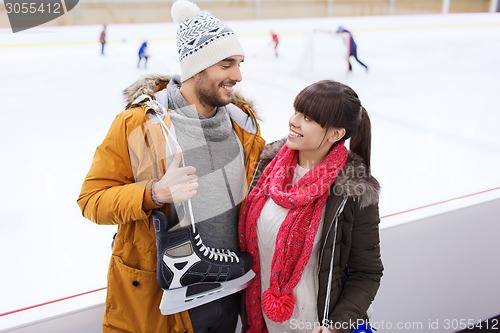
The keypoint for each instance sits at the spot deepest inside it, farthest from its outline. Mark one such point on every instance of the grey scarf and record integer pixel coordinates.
(186, 119)
(211, 146)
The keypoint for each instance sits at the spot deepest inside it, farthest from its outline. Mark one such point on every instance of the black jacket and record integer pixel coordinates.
(357, 266)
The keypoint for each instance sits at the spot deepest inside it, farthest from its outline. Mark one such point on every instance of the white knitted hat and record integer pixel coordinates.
(202, 39)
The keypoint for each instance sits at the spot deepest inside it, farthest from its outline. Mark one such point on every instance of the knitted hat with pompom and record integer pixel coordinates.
(202, 39)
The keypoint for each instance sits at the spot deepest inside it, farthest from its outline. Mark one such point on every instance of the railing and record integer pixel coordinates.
(441, 272)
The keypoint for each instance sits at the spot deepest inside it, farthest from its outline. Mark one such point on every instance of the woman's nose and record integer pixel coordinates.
(293, 120)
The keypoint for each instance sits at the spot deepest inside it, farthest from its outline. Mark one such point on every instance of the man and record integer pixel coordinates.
(143, 54)
(352, 47)
(102, 39)
(180, 141)
(275, 40)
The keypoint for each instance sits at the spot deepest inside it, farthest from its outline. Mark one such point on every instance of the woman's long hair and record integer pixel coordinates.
(333, 104)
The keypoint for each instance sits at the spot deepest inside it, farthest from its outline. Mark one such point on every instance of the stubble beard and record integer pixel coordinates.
(209, 95)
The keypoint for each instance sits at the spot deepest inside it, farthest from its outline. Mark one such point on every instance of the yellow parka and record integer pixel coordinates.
(117, 190)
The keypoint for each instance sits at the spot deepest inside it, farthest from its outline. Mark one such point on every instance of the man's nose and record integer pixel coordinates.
(236, 74)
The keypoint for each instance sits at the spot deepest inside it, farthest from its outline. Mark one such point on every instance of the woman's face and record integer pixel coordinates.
(305, 134)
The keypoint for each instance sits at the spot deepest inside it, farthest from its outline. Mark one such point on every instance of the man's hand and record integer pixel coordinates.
(179, 184)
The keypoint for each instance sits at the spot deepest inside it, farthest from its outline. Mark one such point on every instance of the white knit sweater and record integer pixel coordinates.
(305, 312)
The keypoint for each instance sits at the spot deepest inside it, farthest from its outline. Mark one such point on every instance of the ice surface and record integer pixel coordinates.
(431, 91)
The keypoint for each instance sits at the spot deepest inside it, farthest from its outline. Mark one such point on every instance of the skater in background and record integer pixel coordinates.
(275, 40)
(143, 54)
(102, 39)
(352, 47)
(131, 177)
(311, 222)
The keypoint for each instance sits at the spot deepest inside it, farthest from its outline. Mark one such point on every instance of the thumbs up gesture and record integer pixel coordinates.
(179, 184)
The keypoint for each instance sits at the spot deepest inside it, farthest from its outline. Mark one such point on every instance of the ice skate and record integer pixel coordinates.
(193, 274)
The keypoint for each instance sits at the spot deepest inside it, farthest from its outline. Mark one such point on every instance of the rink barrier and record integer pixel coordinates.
(135, 11)
(122, 40)
(441, 266)
(82, 313)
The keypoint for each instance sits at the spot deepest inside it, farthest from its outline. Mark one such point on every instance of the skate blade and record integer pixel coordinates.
(176, 300)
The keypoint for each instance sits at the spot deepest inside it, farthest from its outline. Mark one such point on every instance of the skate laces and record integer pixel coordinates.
(216, 254)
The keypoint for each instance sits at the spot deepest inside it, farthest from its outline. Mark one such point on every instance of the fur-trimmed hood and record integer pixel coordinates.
(152, 83)
(146, 85)
(354, 181)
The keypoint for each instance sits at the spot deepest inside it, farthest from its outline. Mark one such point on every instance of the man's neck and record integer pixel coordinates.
(204, 111)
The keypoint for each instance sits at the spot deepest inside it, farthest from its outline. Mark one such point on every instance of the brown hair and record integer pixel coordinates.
(333, 104)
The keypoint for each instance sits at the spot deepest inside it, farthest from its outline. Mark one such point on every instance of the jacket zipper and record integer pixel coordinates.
(340, 208)
(334, 222)
(183, 324)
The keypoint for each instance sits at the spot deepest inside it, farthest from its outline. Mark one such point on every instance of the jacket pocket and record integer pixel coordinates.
(133, 299)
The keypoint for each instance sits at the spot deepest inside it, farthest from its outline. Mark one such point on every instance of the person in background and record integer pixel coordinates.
(311, 221)
(352, 47)
(275, 40)
(216, 139)
(102, 39)
(143, 54)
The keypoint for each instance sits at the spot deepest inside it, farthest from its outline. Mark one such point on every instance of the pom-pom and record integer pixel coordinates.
(278, 308)
(183, 10)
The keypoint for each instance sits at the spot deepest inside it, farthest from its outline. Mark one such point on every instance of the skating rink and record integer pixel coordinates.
(432, 91)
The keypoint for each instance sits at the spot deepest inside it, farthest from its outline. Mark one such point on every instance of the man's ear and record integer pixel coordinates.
(336, 134)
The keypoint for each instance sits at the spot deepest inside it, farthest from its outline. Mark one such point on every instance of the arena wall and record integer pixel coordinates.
(135, 11)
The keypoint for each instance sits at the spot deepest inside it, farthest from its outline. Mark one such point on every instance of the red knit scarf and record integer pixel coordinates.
(295, 238)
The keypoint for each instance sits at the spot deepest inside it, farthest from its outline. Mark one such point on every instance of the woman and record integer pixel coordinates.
(315, 244)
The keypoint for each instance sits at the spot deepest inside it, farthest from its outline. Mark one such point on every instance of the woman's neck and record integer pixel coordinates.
(309, 159)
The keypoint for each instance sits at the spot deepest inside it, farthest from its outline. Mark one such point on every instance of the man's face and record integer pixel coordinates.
(214, 85)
